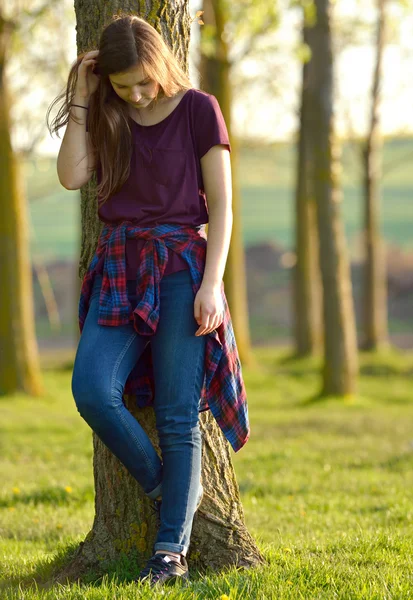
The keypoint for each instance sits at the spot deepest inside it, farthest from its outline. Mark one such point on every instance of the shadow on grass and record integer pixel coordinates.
(58, 366)
(51, 496)
(318, 399)
(43, 571)
(67, 366)
(376, 364)
(46, 574)
(382, 370)
(298, 366)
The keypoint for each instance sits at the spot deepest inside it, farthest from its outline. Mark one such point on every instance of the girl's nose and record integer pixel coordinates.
(135, 96)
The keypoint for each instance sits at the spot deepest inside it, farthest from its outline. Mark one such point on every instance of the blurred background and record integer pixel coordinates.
(266, 54)
(318, 104)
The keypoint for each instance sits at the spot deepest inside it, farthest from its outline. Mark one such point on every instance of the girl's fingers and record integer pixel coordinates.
(212, 325)
(89, 62)
(207, 329)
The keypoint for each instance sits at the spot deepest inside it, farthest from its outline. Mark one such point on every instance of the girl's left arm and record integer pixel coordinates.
(216, 174)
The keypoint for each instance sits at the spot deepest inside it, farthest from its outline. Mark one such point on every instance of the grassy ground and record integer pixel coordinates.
(326, 488)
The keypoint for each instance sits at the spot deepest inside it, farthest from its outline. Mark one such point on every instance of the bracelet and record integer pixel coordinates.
(80, 106)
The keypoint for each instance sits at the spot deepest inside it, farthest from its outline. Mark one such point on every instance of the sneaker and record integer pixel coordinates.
(162, 568)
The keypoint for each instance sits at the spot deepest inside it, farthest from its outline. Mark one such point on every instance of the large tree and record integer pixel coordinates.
(340, 343)
(124, 521)
(19, 360)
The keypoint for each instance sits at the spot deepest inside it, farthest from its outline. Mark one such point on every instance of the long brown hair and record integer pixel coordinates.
(127, 41)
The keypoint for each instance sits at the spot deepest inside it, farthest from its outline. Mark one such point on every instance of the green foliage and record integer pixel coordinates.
(207, 41)
(310, 13)
(245, 21)
(309, 9)
(303, 53)
(324, 488)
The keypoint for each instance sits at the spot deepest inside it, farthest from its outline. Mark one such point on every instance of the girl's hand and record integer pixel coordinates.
(208, 309)
(87, 81)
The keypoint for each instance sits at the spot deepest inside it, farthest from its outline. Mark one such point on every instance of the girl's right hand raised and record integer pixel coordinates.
(87, 81)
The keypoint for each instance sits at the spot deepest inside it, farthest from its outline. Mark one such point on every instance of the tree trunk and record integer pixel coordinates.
(215, 73)
(308, 333)
(124, 521)
(340, 345)
(375, 289)
(19, 357)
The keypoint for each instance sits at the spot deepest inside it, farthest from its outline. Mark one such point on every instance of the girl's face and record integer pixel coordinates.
(134, 87)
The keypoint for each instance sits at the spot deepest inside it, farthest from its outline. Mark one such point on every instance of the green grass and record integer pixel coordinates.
(326, 488)
(267, 189)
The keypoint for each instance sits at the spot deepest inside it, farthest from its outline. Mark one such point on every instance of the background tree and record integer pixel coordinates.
(214, 69)
(340, 344)
(375, 285)
(124, 521)
(19, 364)
(24, 122)
(306, 283)
(223, 22)
(367, 157)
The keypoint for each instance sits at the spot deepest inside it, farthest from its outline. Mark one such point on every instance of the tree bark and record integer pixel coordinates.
(308, 334)
(124, 521)
(340, 345)
(19, 357)
(215, 71)
(375, 288)
(125, 524)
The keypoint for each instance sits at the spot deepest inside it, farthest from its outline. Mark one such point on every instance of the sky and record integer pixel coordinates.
(257, 114)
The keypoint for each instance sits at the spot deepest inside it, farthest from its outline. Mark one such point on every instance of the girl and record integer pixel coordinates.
(152, 312)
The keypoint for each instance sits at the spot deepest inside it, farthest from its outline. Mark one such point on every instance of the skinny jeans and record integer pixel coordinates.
(104, 359)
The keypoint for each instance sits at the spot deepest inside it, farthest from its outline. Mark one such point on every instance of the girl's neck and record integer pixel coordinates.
(155, 114)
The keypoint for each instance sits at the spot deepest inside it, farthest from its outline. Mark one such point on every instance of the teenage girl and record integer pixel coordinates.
(161, 152)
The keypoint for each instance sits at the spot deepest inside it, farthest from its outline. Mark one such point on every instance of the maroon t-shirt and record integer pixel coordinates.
(165, 184)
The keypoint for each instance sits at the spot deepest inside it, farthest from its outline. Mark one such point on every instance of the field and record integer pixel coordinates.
(326, 488)
(267, 189)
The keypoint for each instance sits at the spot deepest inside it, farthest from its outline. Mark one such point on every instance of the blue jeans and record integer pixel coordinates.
(105, 357)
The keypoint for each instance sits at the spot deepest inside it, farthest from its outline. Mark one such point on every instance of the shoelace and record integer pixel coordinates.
(156, 565)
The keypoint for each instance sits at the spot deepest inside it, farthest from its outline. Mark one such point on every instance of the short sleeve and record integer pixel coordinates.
(209, 125)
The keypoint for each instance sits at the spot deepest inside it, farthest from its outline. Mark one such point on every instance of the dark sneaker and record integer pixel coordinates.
(162, 568)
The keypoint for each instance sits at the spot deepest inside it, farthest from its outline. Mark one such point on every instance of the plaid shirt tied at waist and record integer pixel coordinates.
(223, 389)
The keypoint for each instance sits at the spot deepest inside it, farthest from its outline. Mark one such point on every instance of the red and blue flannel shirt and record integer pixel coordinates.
(223, 390)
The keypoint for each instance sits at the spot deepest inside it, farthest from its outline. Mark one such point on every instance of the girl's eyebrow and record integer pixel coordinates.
(127, 86)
